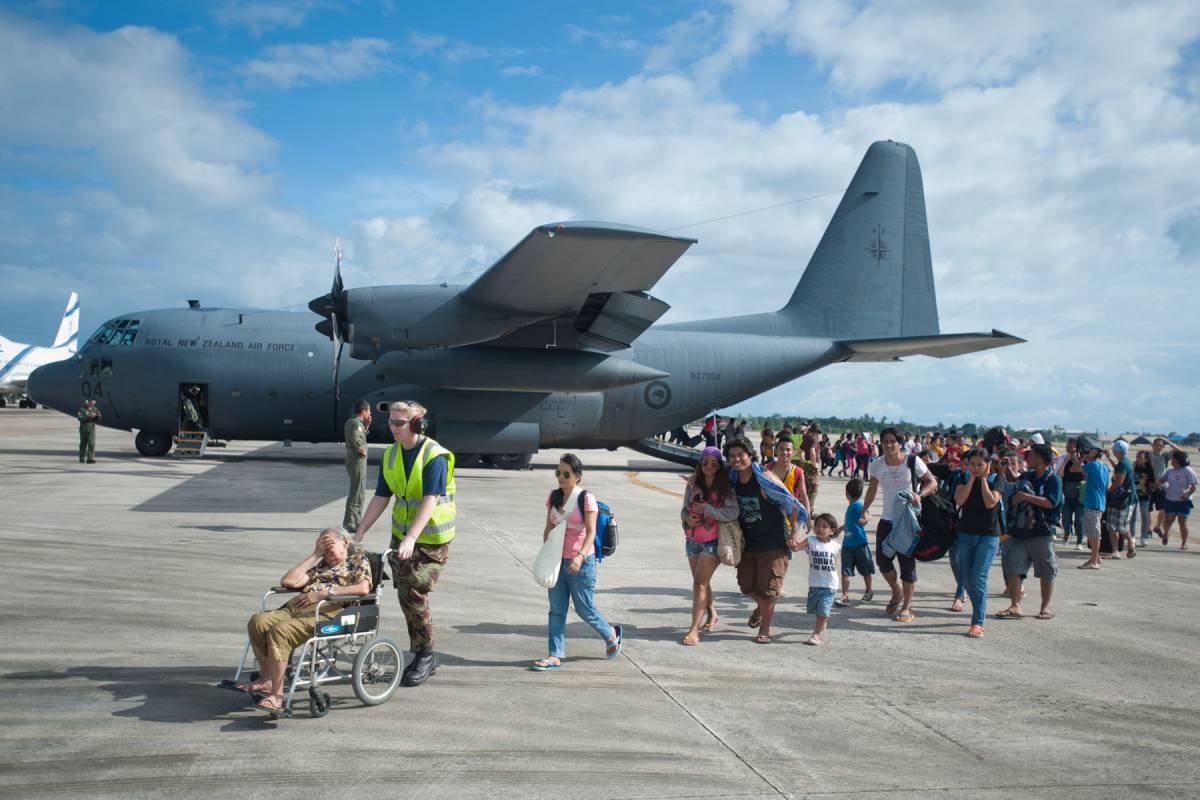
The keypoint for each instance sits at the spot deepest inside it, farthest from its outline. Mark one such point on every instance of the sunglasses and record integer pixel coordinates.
(564, 474)
(398, 423)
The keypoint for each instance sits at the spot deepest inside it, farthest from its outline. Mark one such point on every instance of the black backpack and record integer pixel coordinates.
(939, 521)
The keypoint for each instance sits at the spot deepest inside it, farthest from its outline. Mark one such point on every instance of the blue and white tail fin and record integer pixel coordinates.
(68, 329)
(871, 275)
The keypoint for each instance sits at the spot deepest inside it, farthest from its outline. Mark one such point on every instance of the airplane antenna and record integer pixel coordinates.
(754, 210)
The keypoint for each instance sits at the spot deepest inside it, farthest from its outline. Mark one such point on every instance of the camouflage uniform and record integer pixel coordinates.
(190, 415)
(414, 579)
(356, 468)
(88, 417)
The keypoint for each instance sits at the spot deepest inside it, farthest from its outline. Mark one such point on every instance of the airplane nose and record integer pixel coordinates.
(55, 385)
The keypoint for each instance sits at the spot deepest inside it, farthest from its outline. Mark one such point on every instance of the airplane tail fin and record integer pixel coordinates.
(871, 276)
(68, 329)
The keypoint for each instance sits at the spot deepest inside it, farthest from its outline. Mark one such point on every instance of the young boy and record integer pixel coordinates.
(1096, 475)
(822, 570)
(856, 551)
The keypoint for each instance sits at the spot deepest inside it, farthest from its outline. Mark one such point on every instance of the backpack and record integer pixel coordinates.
(938, 518)
(606, 527)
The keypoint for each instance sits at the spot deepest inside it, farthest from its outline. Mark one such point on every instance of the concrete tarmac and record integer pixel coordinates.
(130, 582)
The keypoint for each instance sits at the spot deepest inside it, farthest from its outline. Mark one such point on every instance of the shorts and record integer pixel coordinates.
(1177, 508)
(760, 574)
(696, 548)
(908, 564)
(1037, 552)
(1119, 518)
(1091, 523)
(820, 600)
(1158, 499)
(857, 557)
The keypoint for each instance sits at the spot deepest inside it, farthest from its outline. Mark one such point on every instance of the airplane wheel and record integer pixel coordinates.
(467, 460)
(152, 445)
(512, 460)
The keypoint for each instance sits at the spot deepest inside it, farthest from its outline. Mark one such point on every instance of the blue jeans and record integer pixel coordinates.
(959, 591)
(578, 588)
(975, 555)
(1072, 516)
(1142, 513)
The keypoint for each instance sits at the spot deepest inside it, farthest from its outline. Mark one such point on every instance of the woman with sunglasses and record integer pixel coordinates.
(707, 502)
(577, 578)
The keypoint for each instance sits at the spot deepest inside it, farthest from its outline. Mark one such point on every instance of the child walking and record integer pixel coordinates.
(856, 550)
(823, 552)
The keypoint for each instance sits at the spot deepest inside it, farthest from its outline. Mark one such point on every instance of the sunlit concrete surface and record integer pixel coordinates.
(130, 582)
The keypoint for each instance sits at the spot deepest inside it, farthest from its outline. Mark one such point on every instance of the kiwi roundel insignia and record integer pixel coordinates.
(657, 394)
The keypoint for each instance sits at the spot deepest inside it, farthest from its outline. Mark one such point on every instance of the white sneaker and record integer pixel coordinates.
(1080, 548)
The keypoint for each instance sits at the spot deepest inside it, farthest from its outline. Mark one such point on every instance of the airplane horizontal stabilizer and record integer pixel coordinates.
(943, 346)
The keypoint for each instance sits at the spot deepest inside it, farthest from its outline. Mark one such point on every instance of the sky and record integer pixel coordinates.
(156, 152)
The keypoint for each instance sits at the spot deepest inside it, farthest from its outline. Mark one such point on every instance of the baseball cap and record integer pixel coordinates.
(1037, 439)
(1120, 446)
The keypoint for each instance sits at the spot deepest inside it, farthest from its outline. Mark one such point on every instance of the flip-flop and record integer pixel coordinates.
(1008, 613)
(275, 711)
(755, 619)
(711, 625)
(1044, 615)
(905, 616)
(689, 642)
(892, 607)
(1086, 565)
(545, 665)
(613, 649)
(761, 639)
(957, 606)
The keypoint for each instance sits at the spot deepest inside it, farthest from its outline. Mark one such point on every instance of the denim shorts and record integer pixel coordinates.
(1177, 508)
(857, 557)
(820, 600)
(696, 548)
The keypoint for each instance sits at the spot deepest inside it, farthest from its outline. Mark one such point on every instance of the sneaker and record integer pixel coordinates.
(841, 601)
(868, 597)
(815, 639)
(1080, 548)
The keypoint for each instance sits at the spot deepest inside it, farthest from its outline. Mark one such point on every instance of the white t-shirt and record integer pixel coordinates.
(823, 563)
(1176, 481)
(894, 479)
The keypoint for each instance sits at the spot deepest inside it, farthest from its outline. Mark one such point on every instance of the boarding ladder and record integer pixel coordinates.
(191, 444)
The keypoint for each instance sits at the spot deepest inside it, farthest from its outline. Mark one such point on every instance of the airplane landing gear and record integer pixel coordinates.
(512, 460)
(152, 445)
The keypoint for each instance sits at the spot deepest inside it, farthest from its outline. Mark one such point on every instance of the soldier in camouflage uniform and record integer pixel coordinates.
(88, 416)
(356, 463)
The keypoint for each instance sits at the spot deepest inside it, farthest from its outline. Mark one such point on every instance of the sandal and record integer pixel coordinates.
(1045, 615)
(545, 665)
(711, 625)
(762, 639)
(976, 632)
(1008, 613)
(892, 607)
(905, 616)
(755, 619)
(272, 705)
(686, 642)
(868, 596)
(1088, 565)
(613, 649)
(957, 605)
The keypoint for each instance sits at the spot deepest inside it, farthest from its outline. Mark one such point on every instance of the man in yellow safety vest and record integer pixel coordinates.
(419, 474)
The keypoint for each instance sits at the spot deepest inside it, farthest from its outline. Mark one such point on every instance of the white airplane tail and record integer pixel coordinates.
(68, 329)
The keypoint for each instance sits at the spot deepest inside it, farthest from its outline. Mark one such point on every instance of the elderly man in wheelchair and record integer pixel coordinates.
(333, 617)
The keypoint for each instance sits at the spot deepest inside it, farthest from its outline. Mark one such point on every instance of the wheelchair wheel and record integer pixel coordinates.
(377, 670)
(318, 703)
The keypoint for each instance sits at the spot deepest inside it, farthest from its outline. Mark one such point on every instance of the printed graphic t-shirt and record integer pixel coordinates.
(763, 524)
(822, 563)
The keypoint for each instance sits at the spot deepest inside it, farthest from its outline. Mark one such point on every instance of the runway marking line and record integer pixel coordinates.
(636, 481)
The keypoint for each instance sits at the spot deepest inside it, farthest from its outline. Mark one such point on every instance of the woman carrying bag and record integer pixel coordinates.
(708, 501)
(577, 574)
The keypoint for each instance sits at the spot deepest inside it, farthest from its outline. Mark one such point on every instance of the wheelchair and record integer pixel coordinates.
(344, 647)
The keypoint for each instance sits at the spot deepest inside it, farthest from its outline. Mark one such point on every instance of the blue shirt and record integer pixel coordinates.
(1096, 474)
(433, 478)
(1125, 467)
(856, 535)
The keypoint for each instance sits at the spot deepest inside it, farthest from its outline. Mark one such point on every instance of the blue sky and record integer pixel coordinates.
(154, 152)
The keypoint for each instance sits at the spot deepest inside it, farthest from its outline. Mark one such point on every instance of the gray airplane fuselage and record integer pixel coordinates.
(268, 375)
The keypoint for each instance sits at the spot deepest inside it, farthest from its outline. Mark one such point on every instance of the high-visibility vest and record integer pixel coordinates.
(408, 491)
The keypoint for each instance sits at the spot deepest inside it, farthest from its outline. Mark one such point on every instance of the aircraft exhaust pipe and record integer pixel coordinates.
(516, 370)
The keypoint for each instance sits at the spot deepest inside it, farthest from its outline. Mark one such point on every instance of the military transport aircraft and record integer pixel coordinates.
(552, 346)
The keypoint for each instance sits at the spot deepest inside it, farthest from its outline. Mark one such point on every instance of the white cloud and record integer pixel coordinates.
(531, 71)
(289, 65)
(262, 17)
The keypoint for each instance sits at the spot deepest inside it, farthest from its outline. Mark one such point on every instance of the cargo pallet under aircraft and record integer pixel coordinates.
(552, 346)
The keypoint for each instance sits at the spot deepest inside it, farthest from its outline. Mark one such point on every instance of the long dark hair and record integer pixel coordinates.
(576, 466)
(720, 484)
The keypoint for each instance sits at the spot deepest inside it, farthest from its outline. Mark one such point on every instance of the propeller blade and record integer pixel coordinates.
(338, 287)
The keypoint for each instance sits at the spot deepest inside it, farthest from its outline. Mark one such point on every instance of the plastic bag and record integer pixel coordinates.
(548, 562)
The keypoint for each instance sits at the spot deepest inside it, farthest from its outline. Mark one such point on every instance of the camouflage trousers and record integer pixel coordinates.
(414, 580)
(812, 481)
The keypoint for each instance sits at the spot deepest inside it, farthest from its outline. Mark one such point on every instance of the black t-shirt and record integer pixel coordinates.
(975, 518)
(762, 522)
(1072, 471)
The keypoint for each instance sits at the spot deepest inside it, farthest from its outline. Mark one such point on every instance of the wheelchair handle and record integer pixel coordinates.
(282, 590)
(339, 598)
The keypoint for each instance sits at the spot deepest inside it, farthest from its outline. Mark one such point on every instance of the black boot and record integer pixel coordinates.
(422, 667)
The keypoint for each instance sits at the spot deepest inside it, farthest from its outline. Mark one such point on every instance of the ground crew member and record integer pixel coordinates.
(419, 473)
(356, 463)
(88, 415)
(191, 415)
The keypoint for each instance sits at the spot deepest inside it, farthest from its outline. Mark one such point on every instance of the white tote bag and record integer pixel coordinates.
(549, 559)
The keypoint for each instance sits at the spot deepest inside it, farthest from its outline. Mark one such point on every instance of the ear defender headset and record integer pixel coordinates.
(417, 425)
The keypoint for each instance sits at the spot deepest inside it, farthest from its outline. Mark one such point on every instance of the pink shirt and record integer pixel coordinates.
(576, 526)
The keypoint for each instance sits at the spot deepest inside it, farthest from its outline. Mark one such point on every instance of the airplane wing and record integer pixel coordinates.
(943, 346)
(563, 268)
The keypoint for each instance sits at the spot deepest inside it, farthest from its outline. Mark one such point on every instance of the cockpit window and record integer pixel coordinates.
(119, 333)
